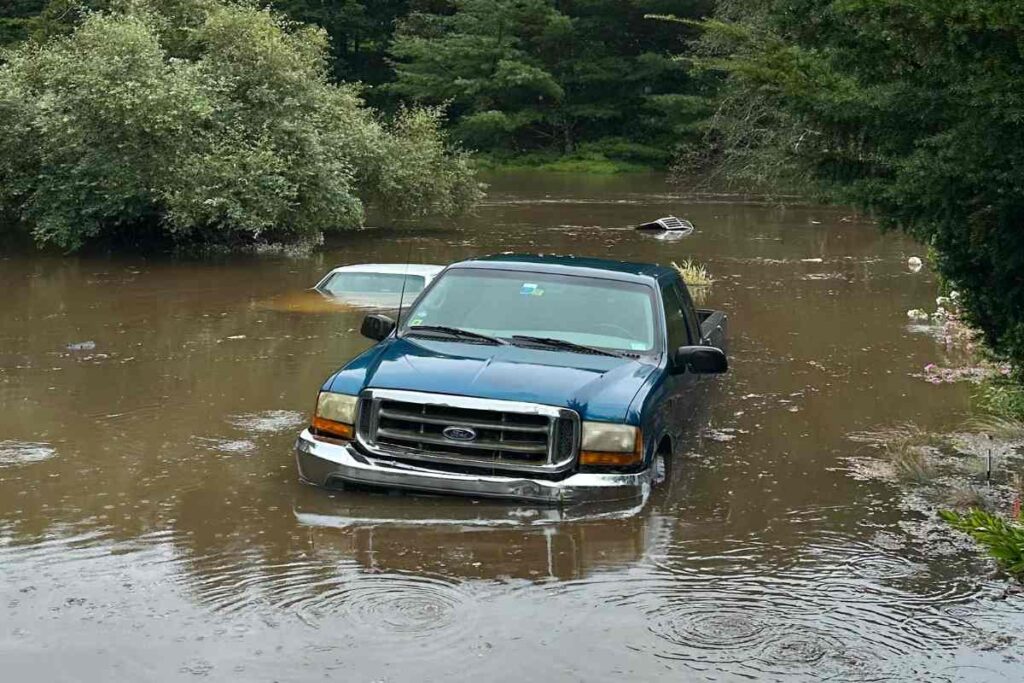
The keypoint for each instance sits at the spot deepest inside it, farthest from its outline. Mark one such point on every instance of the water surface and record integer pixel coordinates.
(152, 526)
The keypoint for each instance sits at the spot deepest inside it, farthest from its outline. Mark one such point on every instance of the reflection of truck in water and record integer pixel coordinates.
(490, 540)
(537, 378)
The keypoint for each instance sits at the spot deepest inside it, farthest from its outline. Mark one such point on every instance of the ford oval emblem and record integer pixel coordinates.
(459, 433)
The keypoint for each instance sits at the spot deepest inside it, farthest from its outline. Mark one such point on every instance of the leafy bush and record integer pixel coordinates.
(204, 122)
(1004, 540)
(1002, 398)
(622, 149)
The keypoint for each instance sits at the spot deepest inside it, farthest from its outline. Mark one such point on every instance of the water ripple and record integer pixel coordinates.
(833, 606)
(406, 605)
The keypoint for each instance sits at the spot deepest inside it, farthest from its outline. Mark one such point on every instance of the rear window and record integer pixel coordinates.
(372, 283)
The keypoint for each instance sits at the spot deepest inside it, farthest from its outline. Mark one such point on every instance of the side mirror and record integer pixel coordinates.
(700, 360)
(377, 327)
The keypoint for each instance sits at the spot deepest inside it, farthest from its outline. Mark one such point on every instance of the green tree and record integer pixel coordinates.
(528, 74)
(908, 109)
(204, 122)
(485, 59)
(625, 84)
(360, 33)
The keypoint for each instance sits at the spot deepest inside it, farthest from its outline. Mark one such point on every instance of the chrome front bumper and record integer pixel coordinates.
(325, 464)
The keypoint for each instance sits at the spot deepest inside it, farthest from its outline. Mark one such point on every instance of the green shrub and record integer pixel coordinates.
(1003, 398)
(209, 123)
(1004, 540)
(621, 149)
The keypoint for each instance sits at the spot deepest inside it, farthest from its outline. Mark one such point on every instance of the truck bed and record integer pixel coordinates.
(713, 326)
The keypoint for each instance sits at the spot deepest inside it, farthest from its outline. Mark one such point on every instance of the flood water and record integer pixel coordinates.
(152, 526)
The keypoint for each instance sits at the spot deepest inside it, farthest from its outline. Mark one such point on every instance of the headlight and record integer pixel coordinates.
(611, 445)
(335, 415)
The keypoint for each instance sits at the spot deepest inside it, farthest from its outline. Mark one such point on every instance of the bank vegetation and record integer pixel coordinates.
(205, 122)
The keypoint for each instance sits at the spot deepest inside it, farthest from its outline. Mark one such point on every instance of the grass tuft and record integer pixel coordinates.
(694, 274)
(1009, 428)
(907, 447)
(966, 497)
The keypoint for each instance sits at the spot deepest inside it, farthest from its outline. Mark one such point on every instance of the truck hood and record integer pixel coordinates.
(597, 387)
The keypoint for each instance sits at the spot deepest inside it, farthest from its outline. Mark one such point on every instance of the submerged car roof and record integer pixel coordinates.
(391, 269)
(544, 263)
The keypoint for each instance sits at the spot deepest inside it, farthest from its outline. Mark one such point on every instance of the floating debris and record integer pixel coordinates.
(915, 264)
(268, 421)
(23, 452)
(81, 346)
(721, 435)
(228, 446)
(937, 374)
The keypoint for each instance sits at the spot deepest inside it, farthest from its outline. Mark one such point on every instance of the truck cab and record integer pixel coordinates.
(547, 379)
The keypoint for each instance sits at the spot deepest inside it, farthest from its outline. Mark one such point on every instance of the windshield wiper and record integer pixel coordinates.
(564, 345)
(455, 332)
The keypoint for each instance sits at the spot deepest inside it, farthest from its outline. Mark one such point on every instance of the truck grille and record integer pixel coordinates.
(468, 432)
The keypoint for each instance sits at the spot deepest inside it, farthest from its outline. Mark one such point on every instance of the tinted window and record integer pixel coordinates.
(689, 313)
(584, 310)
(675, 320)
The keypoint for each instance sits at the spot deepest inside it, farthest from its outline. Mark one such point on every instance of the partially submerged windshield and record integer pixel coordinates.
(372, 283)
(583, 310)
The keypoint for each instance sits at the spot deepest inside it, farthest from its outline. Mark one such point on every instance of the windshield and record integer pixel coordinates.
(583, 310)
(372, 283)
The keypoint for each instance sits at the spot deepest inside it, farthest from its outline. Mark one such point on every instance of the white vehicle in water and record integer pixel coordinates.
(377, 284)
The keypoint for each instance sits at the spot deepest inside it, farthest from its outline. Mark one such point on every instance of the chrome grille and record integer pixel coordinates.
(506, 435)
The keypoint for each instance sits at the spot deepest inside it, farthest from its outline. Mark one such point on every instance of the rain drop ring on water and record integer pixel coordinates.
(404, 605)
(698, 634)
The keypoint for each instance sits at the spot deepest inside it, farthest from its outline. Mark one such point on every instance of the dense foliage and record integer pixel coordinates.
(594, 79)
(590, 76)
(204, 122)
(909, 109)
(16, 18)
(360, 32)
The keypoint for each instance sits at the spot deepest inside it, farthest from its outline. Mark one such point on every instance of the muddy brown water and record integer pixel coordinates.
(152, 526)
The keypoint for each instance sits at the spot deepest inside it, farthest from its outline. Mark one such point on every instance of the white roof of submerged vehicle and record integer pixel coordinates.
(669, 223)
(428, 271)
(377, 283)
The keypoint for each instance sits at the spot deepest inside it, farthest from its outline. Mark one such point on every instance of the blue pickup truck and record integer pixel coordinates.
(548, 379)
